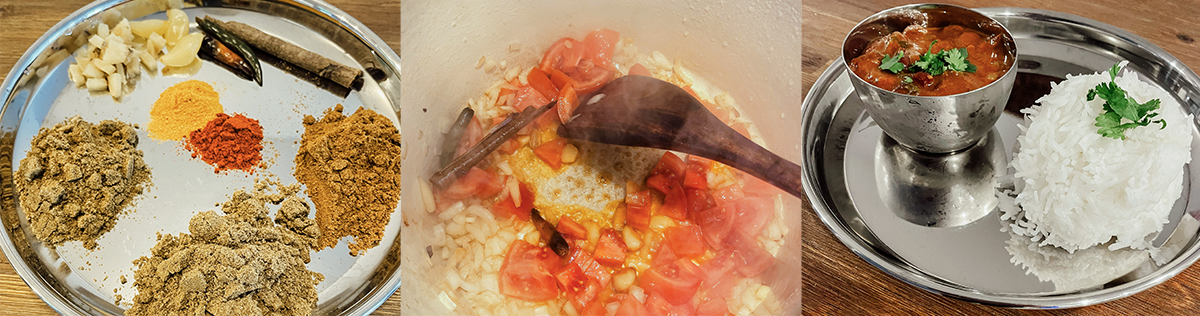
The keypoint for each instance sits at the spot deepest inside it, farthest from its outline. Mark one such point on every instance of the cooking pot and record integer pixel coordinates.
(749, 48)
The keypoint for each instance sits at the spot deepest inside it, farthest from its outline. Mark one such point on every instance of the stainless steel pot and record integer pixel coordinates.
(749, 48)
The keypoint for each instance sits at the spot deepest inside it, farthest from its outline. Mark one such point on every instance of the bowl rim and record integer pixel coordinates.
(1012, 49)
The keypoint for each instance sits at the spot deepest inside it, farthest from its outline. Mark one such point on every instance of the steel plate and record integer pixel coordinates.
(847, 176)
(37, 93)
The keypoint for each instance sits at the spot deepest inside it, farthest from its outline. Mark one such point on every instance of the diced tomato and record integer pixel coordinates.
(590, 267)
(674, 198)
(593, 308)
(571, 278)
(540, 81)
(677, 282)
(664, 256)
(637, 209)
(546, 119)
(639, 70)
(551, 152)
(471, 136)
(590, 77)
(569, 227)
(526, 272)
(527, 97)
(610, 250)
(698, 200)
(630, 306)
(728, 194)
(473, 183)
(696, 174)
(564, 51)
(670, 165)
(750, 259)
(685, 241)
(507, 207)
(560, 79)
(567, 103)
(753, 186)
(656, 305)
(494, 186)
(600, 44)
(715, 222)
(718, 282)
(753, 214)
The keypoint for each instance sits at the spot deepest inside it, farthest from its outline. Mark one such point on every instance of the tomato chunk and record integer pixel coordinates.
(610, 250)
(753, 214)
(749, 258)
(527, 97)
(637, 209)
(507, 207)
(540, 81)
(630, 306)
(728, 194)
(571, 278)
(569, 227)
(685, 241)
(526, 272)
(567, 103)
(715, 222)
(551, 152)
(600, 44)
(677, 282)
(670, 165)
(696, 175)
(471, 184)
(699, 200)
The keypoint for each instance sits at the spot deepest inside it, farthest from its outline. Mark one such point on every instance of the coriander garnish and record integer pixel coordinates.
(892, 63)
(1118, 105)
(932, 63)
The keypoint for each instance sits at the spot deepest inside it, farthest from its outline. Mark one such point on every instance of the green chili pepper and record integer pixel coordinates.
(233, 42)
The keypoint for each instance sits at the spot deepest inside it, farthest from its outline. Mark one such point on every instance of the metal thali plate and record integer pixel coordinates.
(37, 93)
(852, 170)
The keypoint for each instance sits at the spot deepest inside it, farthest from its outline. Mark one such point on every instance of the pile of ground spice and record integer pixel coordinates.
(77, 177)
(183, 108)
(228, 143)
(351, 166)
(240, 263)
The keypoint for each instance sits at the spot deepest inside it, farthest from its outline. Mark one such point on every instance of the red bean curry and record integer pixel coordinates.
(986, 54)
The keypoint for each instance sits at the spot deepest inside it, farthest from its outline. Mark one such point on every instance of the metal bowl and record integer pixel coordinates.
(37, 93)
(933, 124)
(969, 262)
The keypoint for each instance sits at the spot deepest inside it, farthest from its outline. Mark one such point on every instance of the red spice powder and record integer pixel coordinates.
(228, 143)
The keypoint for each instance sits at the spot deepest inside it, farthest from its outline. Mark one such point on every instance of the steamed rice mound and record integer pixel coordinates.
(1078, 189)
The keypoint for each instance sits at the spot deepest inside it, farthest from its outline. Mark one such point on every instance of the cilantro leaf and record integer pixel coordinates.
(1119, 106)
(957, 60)
(892, 63)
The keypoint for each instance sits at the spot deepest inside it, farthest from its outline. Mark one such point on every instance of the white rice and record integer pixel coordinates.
(1078, 189)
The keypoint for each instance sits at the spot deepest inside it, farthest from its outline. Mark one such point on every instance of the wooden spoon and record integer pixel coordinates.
(646, 112)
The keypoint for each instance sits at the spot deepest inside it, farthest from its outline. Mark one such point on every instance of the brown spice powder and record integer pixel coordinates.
(351, 166)
(238, 264)
(183, 108)
(77, 177)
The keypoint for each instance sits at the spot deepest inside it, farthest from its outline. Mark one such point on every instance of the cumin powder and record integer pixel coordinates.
(351, 166)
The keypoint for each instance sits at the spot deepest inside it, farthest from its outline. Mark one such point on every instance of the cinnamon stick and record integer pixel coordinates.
(337, 72)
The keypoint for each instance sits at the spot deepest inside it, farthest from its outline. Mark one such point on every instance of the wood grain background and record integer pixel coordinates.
(23, 22)
(837, 282)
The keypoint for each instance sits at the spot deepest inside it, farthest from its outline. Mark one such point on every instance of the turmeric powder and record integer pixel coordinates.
(183, 108)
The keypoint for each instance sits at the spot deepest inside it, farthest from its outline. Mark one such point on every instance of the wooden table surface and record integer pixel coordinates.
(23, 22)
(837, 282)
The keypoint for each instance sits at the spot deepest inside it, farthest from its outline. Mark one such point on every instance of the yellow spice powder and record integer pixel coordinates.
(183, 108)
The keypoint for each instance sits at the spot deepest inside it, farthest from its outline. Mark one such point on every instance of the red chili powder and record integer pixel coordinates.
(228, 142)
